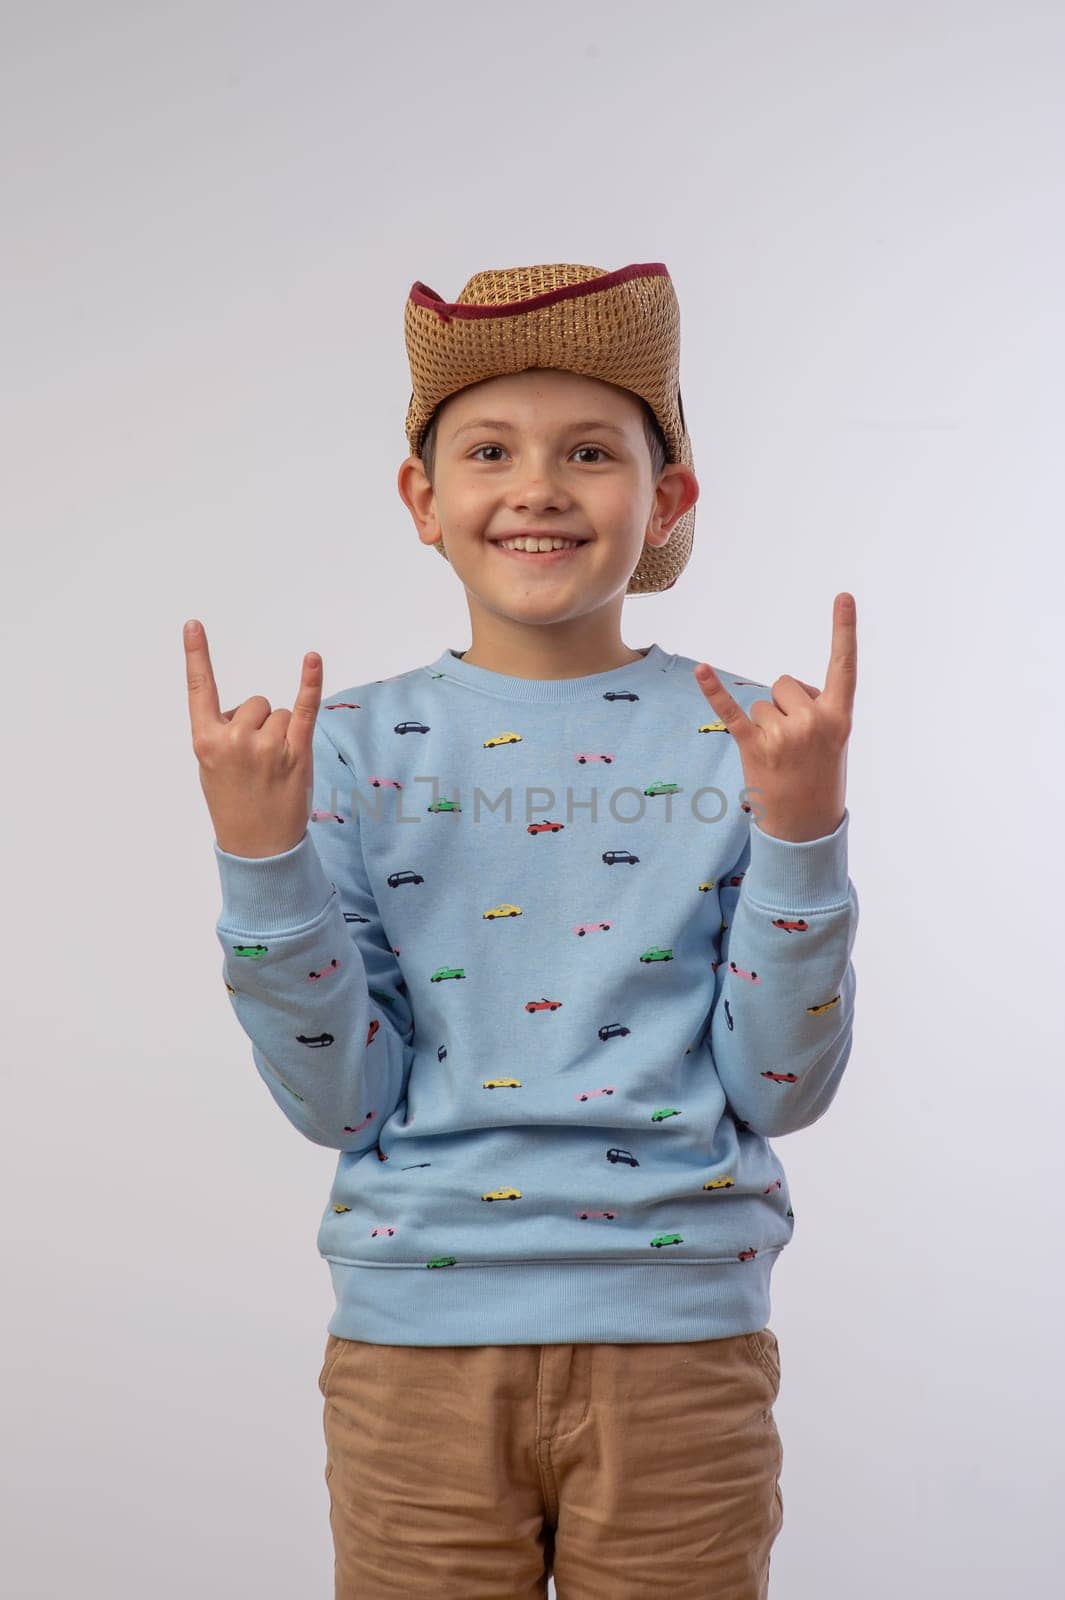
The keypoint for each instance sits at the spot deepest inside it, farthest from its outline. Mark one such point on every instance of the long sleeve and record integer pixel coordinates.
(313, 979)
(781, 1026)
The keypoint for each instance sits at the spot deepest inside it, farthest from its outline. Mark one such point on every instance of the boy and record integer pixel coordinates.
(564, 941)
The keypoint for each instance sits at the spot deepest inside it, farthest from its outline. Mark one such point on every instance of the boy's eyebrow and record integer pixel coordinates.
(489, 422)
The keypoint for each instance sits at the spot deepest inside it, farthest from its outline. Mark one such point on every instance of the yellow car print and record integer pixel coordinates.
(505, 910)
(719, 1183)
(502, 1194)
(713, 727)
(501, 1083)
(708, 885)
(502, 738)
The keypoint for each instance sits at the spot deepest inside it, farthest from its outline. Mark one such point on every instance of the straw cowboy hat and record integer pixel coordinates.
(622, 327)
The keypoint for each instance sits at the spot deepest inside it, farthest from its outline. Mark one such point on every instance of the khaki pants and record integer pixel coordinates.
(626, 1471)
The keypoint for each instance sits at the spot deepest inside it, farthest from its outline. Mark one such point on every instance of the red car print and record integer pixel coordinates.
(542, 1005)
(798, 926)
(544, 827)
(780, 1077)
(374, 1025)
(343, 705)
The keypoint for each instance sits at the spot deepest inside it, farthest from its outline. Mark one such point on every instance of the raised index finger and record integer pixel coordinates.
(204, 710)
(842, 677)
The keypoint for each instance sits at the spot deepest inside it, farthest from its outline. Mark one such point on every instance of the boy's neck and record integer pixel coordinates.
(538, 651)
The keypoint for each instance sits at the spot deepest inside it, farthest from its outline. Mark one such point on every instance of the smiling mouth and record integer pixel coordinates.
(546, 557)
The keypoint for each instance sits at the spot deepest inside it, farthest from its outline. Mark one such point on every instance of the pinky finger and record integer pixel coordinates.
(729, 710)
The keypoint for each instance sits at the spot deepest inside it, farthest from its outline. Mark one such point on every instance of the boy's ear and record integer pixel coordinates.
(677, 490)
(417, 495)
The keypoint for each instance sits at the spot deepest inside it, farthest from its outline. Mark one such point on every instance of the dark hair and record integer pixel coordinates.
(656, 442)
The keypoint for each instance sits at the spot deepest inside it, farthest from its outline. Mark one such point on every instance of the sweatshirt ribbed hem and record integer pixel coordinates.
(551, 1302)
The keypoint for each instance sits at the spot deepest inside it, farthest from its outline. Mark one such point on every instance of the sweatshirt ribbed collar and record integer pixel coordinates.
(634, 676)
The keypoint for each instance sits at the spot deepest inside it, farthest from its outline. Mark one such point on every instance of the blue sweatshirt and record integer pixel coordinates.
(537, 974)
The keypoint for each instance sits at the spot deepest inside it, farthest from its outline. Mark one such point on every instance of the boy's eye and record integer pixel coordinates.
(597, 449)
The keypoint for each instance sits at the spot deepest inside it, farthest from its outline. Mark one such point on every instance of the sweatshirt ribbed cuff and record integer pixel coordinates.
(788, 875)
(272, 894)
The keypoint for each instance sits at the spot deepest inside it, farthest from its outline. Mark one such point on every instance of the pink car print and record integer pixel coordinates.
(375, 1231)
(584, 1215)
(593, 1093)
(365, 1123)
(590, 927)
(752, 977)
(386, 783)
(592, 755)
(325, 816)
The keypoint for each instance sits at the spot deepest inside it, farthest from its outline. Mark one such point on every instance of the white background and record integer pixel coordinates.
(211, 216)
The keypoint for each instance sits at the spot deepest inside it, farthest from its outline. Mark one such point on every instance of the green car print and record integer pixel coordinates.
(444, 805)
(446, 972)
(251, 952)
(667, 1111)
(666, 1238)
(662, 788)
(384, 999)
(442, 1261)
(656, 953)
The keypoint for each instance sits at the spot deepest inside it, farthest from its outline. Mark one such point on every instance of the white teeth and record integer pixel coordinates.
(538, 544)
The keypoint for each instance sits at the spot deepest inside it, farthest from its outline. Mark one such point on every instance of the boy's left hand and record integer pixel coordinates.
(794, 748)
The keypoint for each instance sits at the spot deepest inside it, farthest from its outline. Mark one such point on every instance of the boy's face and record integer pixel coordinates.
(561, 455)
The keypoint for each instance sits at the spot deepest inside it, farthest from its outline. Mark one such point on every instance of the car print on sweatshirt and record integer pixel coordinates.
(593, 755)
(545, 827)
(656, 953)
(503, 910)
(501, 738)
(250, 952)
(613, 1030)
(592, 927)
(662, 788)
(443, 804)
(446, 972)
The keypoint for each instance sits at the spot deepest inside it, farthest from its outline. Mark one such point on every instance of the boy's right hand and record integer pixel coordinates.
(256, 766)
